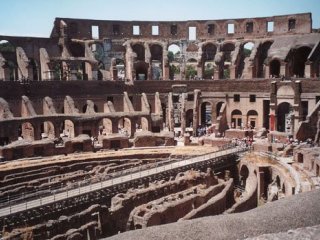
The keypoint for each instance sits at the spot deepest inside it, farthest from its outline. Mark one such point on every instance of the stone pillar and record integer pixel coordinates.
(266, 72)
(147, 56)
(308, 70)
(183, 113)
(23, 62)
(195, 121)
(232, 72)
(199, 70)
(88, 69)
(165, 62)
(283, 68)
(2, 67)
(129, 61)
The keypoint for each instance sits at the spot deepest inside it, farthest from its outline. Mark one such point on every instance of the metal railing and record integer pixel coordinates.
(57, 194)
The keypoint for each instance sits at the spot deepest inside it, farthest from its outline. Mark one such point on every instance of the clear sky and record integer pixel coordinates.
(36, 17)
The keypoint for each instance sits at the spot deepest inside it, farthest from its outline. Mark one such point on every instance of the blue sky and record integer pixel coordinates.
(36, 17)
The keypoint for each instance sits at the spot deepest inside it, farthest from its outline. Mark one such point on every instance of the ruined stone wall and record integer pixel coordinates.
(82, 27)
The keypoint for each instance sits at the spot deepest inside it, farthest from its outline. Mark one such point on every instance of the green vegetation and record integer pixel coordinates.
(6, 47)
(191, 72)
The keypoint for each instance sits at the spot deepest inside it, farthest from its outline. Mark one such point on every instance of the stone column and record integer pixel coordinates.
(195, 121)
(232, 69)
(283, 69)
(129, 61)
(147, 58)
(2, 67)
(88, 69)
(266, 71)
(308, 69)
(165, 62)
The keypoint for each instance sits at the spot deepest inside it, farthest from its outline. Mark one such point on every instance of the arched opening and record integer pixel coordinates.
(206, 114)
(10, 70)
(26, 131)
(284, 117)
(218, 108)
(141, 69)
(76, 49)
(191, 69)
(244, 174)
(33, 70)
(252, 119)
(156, 61)
(139, 50)
(144, 124)
(124, 126)
(236, 119)
(208, 65)
(120, 68)
(225, 63)
(47, 130)
(174, 53)
(105, 127)
(89, 109)
(300, 57)
(262, 55)
(244, 63)
(275, 68)
(189, 118)
(67, 129)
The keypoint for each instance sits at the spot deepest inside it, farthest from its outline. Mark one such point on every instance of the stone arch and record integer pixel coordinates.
(141, 70)
(174, 53)
(144, 124)
(192, 48)
(252, 118)
(86, 108)
(139, 50)
(209, 51)
(218, 108)
(244, 63)
(262, 54)
(274, 68)
(206, 113)
(67, 128)
(284, 117)
(26, 131)
(156, 51)
(105, 126)
(47, 130)
(299, 59)
(124, 126)
(33, 70)
(226, 60)
(236, 119)
(9, 71)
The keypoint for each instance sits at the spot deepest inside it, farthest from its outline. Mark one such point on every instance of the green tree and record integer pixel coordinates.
(170, 56)
(191, 72)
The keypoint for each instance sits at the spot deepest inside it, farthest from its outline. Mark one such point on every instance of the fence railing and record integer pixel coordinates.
(10, 206)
